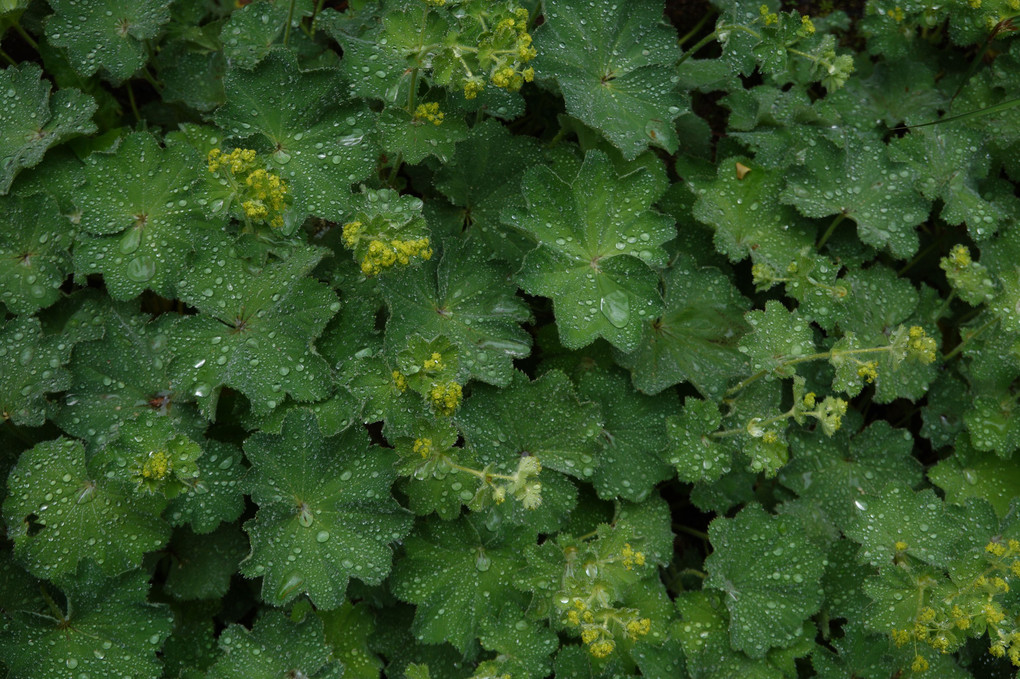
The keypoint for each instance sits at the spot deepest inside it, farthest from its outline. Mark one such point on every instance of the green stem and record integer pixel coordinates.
(315, 14)
(698, 45)
(829, 231)
(151, 79)
(395, 169)
(131, 100)
(694, 571)
(959, 347)
(944, 307)
(804, 359)
(697, 27)
(25, 36)
(917, 258)
(413, 93)
(290, 17)
(8, 58)
(691, 531)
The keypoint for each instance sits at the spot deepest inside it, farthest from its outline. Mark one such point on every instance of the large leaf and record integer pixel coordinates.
(325, 512)
(63, 509)
(31, 122)
(769, 573)
(317, 142)
(457, 573)
(254, 332)
(107, 34)
(109, 629)
(595, 241)
(138, 216)
(614, 65)
(470, 303)
(276, 647)
(695, 339)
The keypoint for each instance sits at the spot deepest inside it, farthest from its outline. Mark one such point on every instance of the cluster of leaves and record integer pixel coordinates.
(507, 338)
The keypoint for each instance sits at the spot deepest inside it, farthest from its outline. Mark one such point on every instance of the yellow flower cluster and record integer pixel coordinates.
(399, 381)
(510, 76)
(382, 255)
(445, 398)
(596, 634)
(767, 17)
(434, 363)
(423, 447)
(269, 196)
(920, 346)
(472, 88)
(937, 624)
(868, 371)
(428, 112)
(631, 558)
(157, 466)
(262, 194)
(236, 162)
(806, 25)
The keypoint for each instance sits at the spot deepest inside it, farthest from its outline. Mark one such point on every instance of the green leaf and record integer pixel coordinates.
(596, 239)
(316, 141)
(201, 565)
(161, 459)
(695, 338)
(523, 648)
(106, 34)
(214, 496)
(62, 509)
(119, 376)
(33, 367)
(614, 65)
(248, 35)
(32, 122)
(633, 437)
(541, 418)
(468, 301)
(276, 647)
(770, 575)
(777, 337)
(948, 162)
(861, 182)
(702, 633)
(974, 474)
(254, 334)
(483, 179)
(326, 501)
(835, 472)
(456, 573)
(108, 630)
(35, 240)
(138, 215)
(747, 215)
(695, 453)
(878, 303)
(349, 630)
(416, 139)
(898, 514)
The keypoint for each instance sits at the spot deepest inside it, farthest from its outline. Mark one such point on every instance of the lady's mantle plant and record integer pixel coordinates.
(509, 338)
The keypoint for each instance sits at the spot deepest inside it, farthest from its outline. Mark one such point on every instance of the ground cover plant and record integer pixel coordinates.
(509, 339)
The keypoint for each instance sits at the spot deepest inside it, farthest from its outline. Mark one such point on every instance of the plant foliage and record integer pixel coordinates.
(509, 339)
